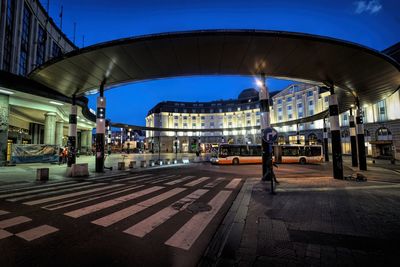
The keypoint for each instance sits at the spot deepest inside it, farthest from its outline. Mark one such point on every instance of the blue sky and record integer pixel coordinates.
(373, 23)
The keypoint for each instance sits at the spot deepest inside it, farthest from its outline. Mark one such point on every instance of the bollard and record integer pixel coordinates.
(167, 161)
(151, 163)
(185, 160)
(121, 166)
(132, 164)
(42, 174)
(79, 170)
(160, 162)
(143, 164)
(175, 161)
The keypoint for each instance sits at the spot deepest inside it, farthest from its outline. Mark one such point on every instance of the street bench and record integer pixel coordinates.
(121, 166)
(132, 164)
(42, 174)
(143, 164)
(79, 170)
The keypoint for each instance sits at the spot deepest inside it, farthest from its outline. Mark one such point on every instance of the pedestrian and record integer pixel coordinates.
(65, 155)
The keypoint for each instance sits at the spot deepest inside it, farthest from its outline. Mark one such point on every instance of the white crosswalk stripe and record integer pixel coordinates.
(59, 197)
(2, 212)
(34, 186)
(166, 178)
(233, 184)
(14, 221)
(136, 178)
(37, 232)
(109, 203)
(215, 182)
(177, 181)
(190, 231)
(56, 187)
(52, 192)
(131, 210)
(147, 225)
(68, 203)
(197, 181)
(4, 234)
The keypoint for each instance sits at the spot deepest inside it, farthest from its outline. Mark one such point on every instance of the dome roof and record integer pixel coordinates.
(248, 93)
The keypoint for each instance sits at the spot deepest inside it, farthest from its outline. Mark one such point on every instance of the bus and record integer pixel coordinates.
(251, 154)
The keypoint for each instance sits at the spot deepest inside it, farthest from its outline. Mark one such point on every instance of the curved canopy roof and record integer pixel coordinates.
(356, 70)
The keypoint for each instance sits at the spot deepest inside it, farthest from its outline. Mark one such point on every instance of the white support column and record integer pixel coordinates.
(50, 128)
(59, 133)
(72, 133)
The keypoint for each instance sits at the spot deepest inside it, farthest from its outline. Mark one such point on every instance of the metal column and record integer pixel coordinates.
(265, 128)
(353, 140)
(298, 134)
(335, 136)
(100, 129)
(325, 136)
(362, 158)
(72, 133)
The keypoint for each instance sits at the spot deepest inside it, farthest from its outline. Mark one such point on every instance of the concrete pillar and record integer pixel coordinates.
(325, 136)
(50, 128)
(72, 134)
(353, 139)
(100, 129)
(59, 133)
(90, 140)
(265, 131)
(362, 158)
(84, 140)
(4, 118)
(335, 136)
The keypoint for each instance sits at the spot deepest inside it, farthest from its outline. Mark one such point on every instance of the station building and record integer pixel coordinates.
(240, 122)
(31, 113)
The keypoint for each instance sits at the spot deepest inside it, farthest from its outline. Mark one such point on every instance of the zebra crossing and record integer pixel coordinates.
(114, 203)
(29, 234)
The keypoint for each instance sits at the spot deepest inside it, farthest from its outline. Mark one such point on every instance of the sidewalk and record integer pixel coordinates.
(312, 222)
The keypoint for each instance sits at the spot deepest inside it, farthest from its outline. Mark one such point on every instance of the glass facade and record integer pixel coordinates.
(8, 38)
(25, 41)
(56, 50)
(41, 46)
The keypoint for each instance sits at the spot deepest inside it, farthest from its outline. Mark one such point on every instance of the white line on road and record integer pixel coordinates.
(59, 197)
(164, 179)
(132, 178)
(131, 210)
(2, 212)
(41, 190)
(215, 182)
(53, 192)
(177, 181)
(190, 231)
(149, 224)
(14, 221)
(4, 234)
(109, 203)
(32, 186)
(37, 232)
(64, 204)
(197, 181)
(233, 184)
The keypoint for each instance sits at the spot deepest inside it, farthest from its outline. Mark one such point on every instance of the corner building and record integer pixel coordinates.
(239, 120)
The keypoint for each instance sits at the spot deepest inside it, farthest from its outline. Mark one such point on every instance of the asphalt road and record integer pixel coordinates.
(159, 217)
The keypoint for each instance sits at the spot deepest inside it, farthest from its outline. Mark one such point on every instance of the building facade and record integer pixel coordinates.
(30, 113)
(240, 122)
(28, 36)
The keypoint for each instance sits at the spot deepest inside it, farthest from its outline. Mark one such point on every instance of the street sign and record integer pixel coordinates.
(269, 134)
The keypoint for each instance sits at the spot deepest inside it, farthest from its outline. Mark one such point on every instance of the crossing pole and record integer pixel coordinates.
(362, 158)
(353, 139)
(335, 135)
(100, 129)
(72, 133)
(265, 127)
(325, 136)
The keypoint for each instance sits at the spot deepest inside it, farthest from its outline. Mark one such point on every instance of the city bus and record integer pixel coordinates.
(251, 154)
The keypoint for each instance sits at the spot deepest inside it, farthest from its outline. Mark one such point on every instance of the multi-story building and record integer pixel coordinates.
(240, 122)
(29, 112)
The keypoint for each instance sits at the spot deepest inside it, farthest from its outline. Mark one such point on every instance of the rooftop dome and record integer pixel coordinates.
(248, 93)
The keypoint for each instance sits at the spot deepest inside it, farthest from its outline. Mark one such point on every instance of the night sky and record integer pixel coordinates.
(373, 23)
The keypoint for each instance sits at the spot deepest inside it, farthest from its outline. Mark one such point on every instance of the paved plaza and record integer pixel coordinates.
(202, 214)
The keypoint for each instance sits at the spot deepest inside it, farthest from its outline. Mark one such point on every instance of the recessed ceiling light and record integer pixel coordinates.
(6, 92)
(56, 103)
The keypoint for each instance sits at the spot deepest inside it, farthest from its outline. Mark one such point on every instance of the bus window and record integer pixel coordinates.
(234, 151)
(223, 152)
(290, 151)
(315, 151)
(244, 151)
(255, 150)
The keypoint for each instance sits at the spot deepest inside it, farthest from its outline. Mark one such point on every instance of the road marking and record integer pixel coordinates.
(14, 221)
(190, 231)
(177, 181)
(73, 202)
(132, 178)
(109, 203)
(322, 189)
(50, 199)
(164, 179)
(2, 212)
(42, 190)
(53, 192)
(149, 224)
(32, 186)
(129, 211)
(37, 232)
(198, 181)
(233, 184)
(214, 183)
(4, 234)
